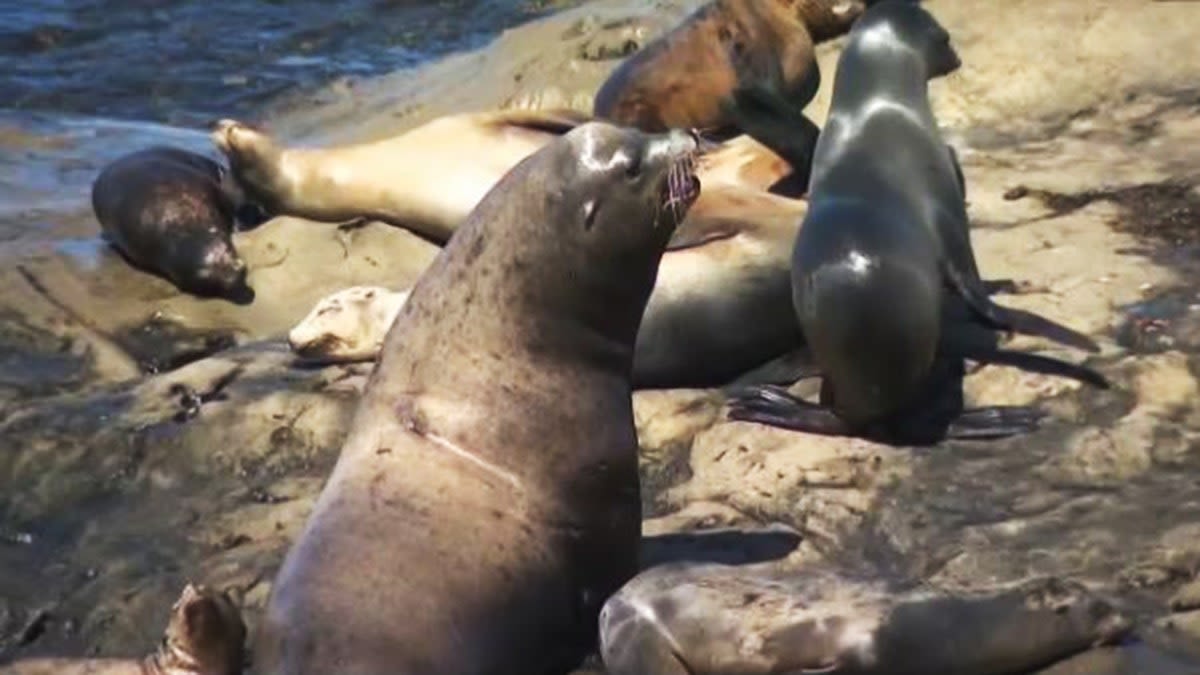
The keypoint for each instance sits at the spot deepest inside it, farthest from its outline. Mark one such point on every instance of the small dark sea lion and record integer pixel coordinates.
(172, 213)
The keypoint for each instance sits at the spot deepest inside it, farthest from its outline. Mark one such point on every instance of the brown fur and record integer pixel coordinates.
(682, 79)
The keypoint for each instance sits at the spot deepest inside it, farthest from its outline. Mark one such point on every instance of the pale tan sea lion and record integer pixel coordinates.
(429, 178)
(205, 636)
(683, 78)
(486, 501)
(711, 619)
(714, 313)
(426, 180)
(348, 325)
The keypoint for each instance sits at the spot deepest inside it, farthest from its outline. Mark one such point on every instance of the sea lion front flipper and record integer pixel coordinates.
(775, 407)
(778, 125)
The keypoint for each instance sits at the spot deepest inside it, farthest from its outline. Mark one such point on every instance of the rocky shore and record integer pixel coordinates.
(148, 438)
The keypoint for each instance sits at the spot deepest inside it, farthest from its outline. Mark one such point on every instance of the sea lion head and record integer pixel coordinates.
(217, 271)
(905, 29)
(348, 325)
(206, 634)
(613, 196)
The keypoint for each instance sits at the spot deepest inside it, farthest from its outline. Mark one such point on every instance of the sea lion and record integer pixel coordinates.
(682, 78)
(712, 316)
(429, 178)
(712, 619)
(486, 501)
(172, 212)
(205, 636)
(348, 325)
(426, 180)
(884, 279)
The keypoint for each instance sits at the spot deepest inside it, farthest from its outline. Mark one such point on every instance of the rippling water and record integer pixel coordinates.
(185, 62)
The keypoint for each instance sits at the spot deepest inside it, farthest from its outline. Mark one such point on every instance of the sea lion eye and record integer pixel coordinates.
(589, 214)
(634, 168)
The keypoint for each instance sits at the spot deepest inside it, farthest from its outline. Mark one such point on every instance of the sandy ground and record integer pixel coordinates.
(1077, 125)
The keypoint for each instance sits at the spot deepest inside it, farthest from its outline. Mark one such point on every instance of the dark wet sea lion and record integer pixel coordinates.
(172, 212)
(884, 279)
(710, 619)
(205, 636)
(682, 78)
(486, 501)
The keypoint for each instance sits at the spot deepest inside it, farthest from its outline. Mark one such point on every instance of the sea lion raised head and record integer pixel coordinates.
(903, 29)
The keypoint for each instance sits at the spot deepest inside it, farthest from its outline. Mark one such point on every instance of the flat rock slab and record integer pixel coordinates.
(1077, 137)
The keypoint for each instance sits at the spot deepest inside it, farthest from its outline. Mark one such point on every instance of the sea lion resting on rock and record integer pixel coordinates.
(681, 79)
(429, 178)
(712, 316)
(205, 636)
(486, 501)
(172, 212)
(885, 283)
(711, 619)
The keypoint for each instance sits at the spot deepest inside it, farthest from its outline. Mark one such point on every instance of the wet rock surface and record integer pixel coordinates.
(149, 438)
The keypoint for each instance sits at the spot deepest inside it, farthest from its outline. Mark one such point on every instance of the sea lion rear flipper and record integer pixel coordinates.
(976, 343)
(994, 422)
(973, 291)
(775, 123)
(958, 172)
(774, 406)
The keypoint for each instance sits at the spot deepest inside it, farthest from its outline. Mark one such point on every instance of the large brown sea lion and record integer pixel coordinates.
(486, 501)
